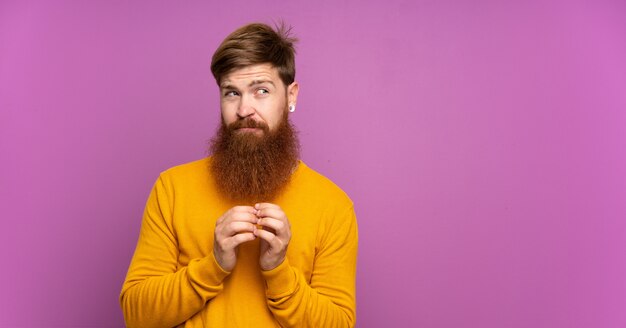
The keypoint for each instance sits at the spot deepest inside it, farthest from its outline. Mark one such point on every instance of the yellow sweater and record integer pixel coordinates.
(174, 278)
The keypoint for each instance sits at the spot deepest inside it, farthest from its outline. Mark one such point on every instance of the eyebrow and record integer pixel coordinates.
(227, 85)
(255, 82)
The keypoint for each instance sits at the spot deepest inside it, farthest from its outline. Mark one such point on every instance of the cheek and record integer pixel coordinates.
(274, 114)
(227, 112)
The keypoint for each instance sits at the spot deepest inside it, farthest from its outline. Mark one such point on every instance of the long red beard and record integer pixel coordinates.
(252, 168)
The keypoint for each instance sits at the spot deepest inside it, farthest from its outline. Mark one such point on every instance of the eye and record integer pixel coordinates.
(263, 91)
(230, 93)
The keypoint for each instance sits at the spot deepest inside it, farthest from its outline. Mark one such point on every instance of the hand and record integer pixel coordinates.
(234, 227)
(275, 235)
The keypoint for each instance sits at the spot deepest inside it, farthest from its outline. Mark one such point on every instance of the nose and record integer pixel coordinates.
(245, 108)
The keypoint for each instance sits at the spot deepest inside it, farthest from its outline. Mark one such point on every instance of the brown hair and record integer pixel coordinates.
(256, 44)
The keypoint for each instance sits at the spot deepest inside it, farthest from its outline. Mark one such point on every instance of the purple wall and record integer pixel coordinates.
(483, 143)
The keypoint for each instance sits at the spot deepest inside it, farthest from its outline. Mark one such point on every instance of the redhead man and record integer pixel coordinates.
(249, 236)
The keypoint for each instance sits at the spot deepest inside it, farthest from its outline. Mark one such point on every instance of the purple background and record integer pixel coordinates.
(483, 143)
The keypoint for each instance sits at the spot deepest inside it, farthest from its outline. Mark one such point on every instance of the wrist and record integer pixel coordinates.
(273, 265)
(280, 281)
(218, 262)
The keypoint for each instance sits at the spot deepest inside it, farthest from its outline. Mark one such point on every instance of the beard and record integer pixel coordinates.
(253, 168)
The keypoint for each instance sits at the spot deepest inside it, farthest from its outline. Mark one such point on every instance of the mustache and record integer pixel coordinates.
(247, 123)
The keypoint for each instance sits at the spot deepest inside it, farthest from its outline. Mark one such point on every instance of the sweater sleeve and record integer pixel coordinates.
(329, 299)
(157, 292)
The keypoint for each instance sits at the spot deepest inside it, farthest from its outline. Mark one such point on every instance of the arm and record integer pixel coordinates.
(329, 300)
(157, 293)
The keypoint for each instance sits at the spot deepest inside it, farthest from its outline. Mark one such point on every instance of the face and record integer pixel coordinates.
(255, 93)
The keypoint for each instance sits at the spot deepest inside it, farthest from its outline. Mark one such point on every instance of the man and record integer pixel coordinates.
(250, 236)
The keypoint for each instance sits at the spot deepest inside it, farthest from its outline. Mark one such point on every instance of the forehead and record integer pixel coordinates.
(254, 73)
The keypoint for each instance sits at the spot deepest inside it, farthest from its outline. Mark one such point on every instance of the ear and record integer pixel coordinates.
(292, 93)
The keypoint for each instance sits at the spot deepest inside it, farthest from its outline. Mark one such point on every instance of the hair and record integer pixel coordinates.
(253, 44)
(249, 168)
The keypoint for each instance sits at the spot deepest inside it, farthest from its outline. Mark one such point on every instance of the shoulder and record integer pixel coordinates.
(320, 187)
(330, 207)
(187, 173)
(195, 167)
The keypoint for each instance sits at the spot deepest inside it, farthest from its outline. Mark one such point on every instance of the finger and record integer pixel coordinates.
(243, 217)
(243, 208)
(279, 226)
(275, 213)
(237, 210)
(260, 206)
(236, 227)
(240, 238)
(276, 245)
